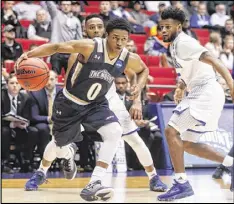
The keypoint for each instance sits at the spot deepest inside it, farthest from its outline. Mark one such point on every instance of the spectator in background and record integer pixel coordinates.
(154, 5)
(5, 74)
(200, 19)
(120, 12)
(10, 17)
(180, 5)
(154, 45)
(226, 55)
(192, 7)
(25, 136)
(42, 102)
(40, 29)
(211, 6)
(141, 18)
(65, 27)
(187, 30)
(215, 44)
(228, 28)
(219, 17)
(76, 10)
(26, 10)
(105, 11)
(11, 50)
(131, 46)
(157, 16)
(131, 4)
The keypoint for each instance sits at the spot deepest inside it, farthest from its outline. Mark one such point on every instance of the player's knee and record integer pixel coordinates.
(170, 132)
(187, 145)
(111, 132)
(116, 131)
(134, 140)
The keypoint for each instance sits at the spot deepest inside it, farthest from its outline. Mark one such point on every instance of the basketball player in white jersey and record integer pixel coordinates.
(95, 28)
(199, 96)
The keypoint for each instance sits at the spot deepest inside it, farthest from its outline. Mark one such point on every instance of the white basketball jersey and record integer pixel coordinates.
(185, 52)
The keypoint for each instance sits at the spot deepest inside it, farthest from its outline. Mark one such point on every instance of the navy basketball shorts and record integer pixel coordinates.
(68, 116)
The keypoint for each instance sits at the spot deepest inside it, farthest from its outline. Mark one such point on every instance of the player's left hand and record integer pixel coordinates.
(136, 110)
(178, 96)
(134, 92)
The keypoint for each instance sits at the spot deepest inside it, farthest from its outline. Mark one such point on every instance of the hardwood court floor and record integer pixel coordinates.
(127, 190)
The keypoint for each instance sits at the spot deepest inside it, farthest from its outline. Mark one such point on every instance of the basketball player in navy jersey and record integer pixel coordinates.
(82, 100)
(94, 27)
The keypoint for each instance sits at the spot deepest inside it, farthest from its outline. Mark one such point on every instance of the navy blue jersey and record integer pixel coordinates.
(89, 82)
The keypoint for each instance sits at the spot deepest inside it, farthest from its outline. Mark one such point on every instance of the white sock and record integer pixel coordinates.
(98, 174)
(151, 174)
(181, 177)
(43, 169)
(228, 161)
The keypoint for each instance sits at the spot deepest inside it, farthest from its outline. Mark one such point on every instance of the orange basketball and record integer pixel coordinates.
(33, 74)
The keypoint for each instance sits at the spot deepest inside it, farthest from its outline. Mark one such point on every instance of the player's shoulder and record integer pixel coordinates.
(134, 57)
(185, 41)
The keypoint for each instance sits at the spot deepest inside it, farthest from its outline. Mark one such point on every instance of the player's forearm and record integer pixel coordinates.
(223, 71)
(141, 81)
(219, 67)
(43, 50)
(142, 77)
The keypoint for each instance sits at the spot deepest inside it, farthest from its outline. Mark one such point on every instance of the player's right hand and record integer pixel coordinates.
(178, 96)
(24, 56)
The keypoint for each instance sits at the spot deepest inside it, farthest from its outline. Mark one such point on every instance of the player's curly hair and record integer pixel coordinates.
(93, 16)
(118, 23)
(173, 13)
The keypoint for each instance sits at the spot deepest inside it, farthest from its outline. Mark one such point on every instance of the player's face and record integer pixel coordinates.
(52, 81)
(117, 40)
(121, 85)
(169, 29)
(94, 28)
(13, 86)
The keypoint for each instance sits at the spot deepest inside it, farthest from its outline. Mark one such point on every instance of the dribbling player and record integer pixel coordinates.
(82, 101)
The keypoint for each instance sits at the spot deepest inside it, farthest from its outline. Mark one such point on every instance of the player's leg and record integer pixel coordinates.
(145, 158)
(131, 136)
(208, 152)
(52, 151)
(177, 125)
(111, 135)
(225, 166)
(66, 129)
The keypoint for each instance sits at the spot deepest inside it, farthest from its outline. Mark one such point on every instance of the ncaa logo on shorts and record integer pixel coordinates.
(119, 64)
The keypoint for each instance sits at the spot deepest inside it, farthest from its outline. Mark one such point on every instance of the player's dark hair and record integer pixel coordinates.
(93, 16)
(173, 13)
(118, 23)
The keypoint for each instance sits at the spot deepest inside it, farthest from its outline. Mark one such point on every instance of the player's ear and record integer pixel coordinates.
(180, 26)
(106, 34)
